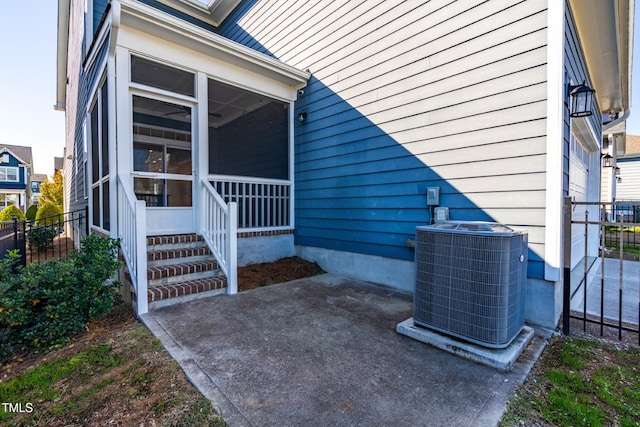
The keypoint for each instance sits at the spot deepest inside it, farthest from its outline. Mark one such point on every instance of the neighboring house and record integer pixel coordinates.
(36, 180)
(613, 144)
(621, 177)
(58, 164)
(16, 164)
(628, 189)
(326, 122)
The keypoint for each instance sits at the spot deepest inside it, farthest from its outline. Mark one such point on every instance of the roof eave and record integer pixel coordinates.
(63, 43)
(606, 31)
(157, 22)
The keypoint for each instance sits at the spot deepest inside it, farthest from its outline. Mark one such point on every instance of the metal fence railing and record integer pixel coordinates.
(609, 297)
(46, 238)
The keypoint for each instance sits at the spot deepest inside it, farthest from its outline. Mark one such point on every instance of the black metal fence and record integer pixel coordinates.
(620, 215)
(47, 238)
(610, 296)
(12, 237)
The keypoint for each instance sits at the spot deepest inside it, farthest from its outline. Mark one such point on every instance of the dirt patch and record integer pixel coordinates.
(292, 268)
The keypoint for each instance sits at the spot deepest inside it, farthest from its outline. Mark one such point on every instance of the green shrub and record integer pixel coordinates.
(31, 212)
(46, 304)
(41, 237)
(9, 212)
(48, 213)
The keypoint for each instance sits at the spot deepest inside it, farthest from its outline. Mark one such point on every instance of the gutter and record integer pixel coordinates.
(619, 120)
(61, 66)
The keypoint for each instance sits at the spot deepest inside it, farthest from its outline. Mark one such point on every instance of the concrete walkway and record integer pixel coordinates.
(630, 285)
(324, 351)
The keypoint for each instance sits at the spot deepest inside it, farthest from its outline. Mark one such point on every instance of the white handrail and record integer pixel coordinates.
(220, 232)
(132, 231)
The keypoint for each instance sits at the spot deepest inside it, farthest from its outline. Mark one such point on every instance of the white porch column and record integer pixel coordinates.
(124, 148)
(200, 148)
(112, 145)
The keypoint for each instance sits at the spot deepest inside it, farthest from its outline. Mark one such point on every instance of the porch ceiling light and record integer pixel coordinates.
(581, 100)
(607, 161)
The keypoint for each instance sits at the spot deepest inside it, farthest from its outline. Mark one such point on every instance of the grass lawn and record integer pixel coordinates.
(580, 382)
(115, 373)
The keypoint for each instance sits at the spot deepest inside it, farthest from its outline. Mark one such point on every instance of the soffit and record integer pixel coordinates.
(605, 29)
(212, 12)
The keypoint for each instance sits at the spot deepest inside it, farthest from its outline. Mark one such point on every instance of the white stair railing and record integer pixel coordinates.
(132, 231)
(220, 231)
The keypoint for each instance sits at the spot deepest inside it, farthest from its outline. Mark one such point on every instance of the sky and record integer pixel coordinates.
(28, 32)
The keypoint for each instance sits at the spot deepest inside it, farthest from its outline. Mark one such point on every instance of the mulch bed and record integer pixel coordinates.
(284, 270)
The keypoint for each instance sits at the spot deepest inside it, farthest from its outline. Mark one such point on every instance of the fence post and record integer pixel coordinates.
(15, 232)
(14, 268)
(566, 294)
(86, 220)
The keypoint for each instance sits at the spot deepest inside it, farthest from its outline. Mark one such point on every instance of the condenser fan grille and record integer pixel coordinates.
(470, 282)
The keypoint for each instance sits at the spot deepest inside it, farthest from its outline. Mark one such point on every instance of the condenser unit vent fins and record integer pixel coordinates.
(470, 279)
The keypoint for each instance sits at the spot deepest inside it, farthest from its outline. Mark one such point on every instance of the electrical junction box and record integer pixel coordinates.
(441, 214)
(433, 196)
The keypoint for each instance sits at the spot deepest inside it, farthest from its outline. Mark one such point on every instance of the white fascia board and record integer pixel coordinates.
(165, 26)
(62, 49)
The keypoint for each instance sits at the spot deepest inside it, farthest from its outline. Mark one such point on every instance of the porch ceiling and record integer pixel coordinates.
(158, 23)
(606, 30)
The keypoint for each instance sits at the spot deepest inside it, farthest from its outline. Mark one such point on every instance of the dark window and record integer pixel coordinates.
(162, 76)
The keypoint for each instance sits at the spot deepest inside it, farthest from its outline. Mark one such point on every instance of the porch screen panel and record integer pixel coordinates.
(95, 159)
(248, 133)
(105, 132)
(162, 76)
(162, 161)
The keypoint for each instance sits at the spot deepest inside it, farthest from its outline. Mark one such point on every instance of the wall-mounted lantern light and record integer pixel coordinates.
(618, 179)
(302, 116)
(607, 161)
(616, 171)
(581, 100)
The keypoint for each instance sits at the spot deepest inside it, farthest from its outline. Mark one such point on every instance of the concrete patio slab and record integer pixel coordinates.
(324, 351)
(502, 359)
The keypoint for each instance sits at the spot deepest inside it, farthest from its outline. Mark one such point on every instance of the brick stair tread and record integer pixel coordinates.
(162, 292)
(173, 239)
(160, 272)
(165, 254)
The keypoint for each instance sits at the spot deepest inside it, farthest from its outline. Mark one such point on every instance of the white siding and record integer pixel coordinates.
(460, 85)
(629, 188)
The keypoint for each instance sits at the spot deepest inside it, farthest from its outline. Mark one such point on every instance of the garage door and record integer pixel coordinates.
(578, 190)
